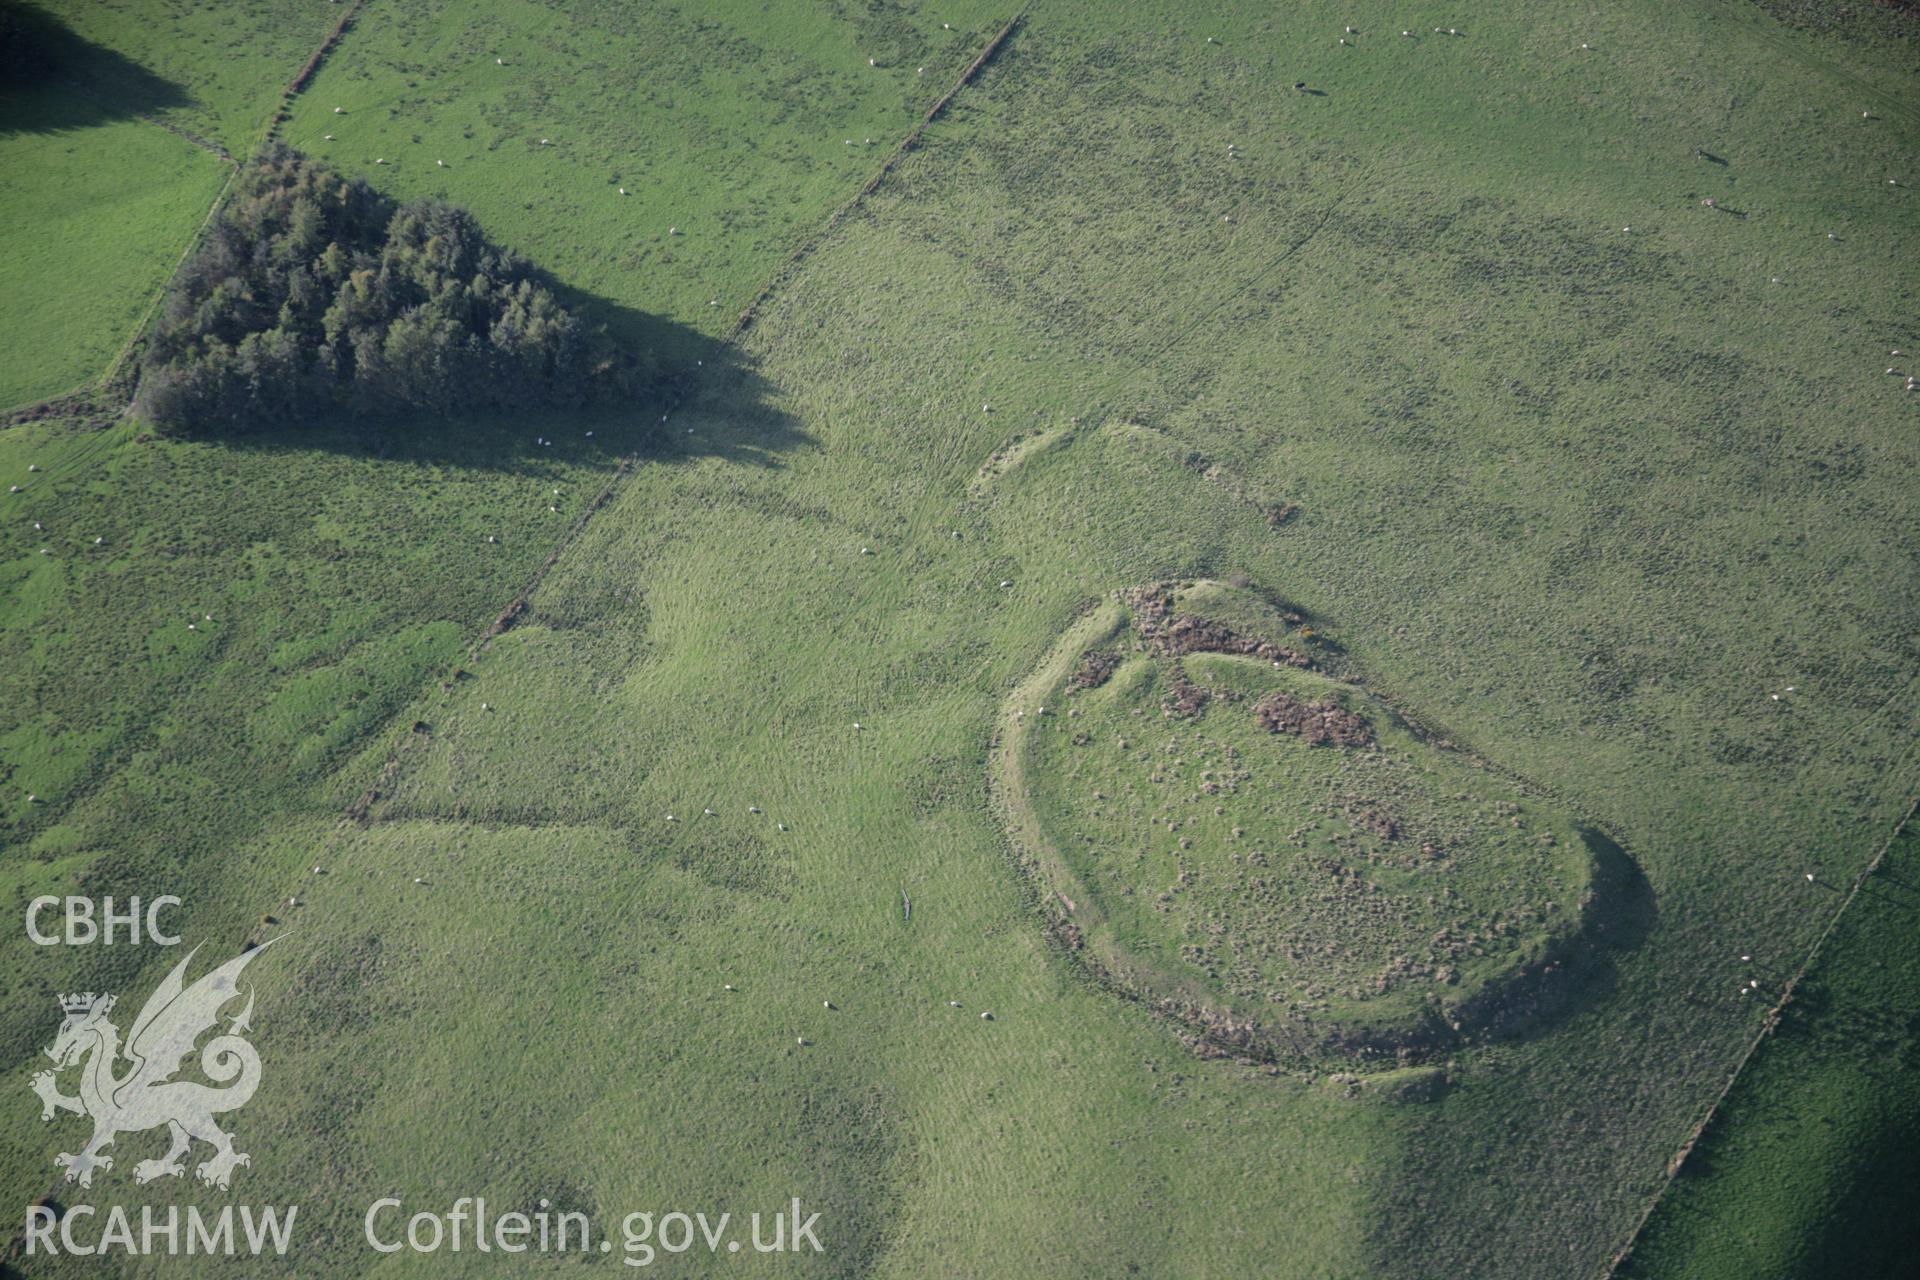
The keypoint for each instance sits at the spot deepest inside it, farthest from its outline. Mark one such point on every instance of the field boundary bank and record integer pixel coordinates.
(805, 250)
(1767, 1027)
(303, 77)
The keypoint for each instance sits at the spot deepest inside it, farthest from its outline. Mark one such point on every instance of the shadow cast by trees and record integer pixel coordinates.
(317, 312)
(53, 79)
(708, 401)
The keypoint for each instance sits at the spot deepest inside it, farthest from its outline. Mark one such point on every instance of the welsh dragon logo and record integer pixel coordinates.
(146, 1094)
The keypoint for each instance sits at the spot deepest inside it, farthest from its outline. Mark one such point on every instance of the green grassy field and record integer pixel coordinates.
(214, 70)
(731, 132)
(117, 125)
(86, 246)
(1808, 1166)
(1580, 499)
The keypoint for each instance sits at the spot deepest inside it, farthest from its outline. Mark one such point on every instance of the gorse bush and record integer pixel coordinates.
(313, 293)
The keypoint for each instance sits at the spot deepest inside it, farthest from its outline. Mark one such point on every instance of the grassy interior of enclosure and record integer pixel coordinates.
(1584, 498)
(1379, 886)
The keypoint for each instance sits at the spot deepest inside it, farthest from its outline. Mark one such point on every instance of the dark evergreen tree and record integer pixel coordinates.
(312, 293)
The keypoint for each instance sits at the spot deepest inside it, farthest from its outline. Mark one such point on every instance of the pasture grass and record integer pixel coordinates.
(214, 70)
(1807, 1167)
(87, 243)
(1580, 499)
(107, 175)
(733, 130)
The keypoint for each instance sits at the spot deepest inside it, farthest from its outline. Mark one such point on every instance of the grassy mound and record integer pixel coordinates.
(1234, 826)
